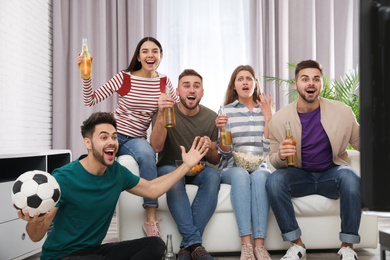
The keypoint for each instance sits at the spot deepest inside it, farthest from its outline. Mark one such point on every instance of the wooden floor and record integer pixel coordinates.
(363, 254)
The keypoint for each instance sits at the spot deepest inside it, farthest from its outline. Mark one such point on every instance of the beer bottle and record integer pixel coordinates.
(85, 65)
(169, 112)
(226, 134)
(169, 254)
(292, 159)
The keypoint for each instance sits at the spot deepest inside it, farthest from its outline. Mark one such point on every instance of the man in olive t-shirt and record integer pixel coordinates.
(192, 120)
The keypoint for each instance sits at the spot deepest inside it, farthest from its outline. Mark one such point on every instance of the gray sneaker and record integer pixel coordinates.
(201, 254)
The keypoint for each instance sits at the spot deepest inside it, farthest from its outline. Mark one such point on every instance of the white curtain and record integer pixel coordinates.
(214, 37)
(113, 29)
(208, 36)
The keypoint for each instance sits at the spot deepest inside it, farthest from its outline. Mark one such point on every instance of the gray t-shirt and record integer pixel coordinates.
(186, 129)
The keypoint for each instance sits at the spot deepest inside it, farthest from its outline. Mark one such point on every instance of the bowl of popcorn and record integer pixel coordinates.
(249, 157)
(194, 170)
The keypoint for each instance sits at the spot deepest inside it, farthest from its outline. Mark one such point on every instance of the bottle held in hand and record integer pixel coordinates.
(226, 134)
(292, 159)
(169, 113)
(85, 65)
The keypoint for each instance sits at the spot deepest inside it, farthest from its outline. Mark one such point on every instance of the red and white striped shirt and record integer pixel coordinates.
(136, 108)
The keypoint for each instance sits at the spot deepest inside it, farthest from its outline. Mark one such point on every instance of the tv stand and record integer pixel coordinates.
(14, 241)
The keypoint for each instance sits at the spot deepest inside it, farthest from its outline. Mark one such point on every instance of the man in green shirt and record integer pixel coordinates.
(90, 188)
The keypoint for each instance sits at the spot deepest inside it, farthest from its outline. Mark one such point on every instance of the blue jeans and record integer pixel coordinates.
(143, 153)
(249, 200)
(340, 182)
(191, 220)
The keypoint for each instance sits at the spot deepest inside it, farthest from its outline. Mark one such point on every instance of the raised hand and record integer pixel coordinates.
(266, 106)
(196, 153)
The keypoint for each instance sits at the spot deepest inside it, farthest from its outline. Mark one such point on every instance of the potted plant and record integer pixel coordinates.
(344, 89)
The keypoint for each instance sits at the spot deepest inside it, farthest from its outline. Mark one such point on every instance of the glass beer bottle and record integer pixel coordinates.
(85, 65)
(169, 255)
(169, 113)
(226, 134)
(292, 159)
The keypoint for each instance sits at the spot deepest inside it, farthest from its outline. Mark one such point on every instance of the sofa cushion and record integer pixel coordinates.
(313, 205)
(315, 215)
(316, 205)
(129, 162)
(223, 205)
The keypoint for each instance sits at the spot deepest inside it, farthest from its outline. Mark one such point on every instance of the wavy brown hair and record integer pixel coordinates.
(231, 93)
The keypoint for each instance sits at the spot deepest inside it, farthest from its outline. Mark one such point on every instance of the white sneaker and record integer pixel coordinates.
(295, 252)
(347, 253)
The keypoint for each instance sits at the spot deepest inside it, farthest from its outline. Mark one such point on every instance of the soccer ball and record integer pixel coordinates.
(35, 191)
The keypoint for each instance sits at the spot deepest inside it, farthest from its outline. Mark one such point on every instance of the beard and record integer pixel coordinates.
(99, 156)
(184, 103)
(303, 96)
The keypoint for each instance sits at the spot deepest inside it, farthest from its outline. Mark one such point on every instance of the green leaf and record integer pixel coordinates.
(345, 89)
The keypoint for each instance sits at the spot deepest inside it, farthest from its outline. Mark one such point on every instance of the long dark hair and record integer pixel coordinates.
(134, 63)
(231, 93)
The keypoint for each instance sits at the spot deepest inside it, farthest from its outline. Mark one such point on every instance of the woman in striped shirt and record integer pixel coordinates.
(249, 113)
(139, 87)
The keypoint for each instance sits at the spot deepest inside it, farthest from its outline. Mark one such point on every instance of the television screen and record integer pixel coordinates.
(375, 104)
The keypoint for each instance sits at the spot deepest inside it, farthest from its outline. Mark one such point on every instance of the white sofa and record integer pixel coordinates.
(318, 218)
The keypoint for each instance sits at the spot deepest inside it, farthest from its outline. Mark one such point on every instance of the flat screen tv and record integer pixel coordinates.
(375, 104)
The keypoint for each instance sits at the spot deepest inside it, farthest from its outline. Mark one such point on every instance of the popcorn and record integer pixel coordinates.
(249, 162)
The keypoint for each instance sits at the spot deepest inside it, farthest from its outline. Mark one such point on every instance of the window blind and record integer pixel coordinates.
(25, 75)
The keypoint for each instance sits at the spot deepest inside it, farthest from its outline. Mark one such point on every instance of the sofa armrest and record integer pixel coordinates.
(129, 162)
(354, 160)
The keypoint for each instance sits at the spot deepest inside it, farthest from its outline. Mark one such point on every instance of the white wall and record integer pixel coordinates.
(25, 75)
